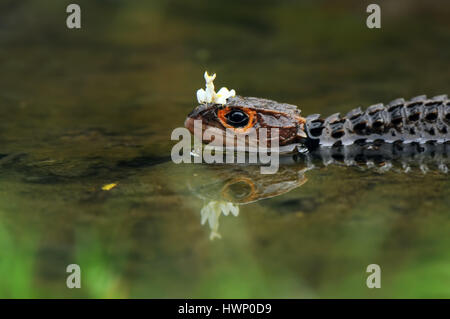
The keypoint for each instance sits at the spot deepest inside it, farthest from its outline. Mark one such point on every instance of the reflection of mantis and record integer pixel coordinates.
(238, 185)
(229, 186)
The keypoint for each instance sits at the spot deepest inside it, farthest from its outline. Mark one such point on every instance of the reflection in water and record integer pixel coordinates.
(211, 213)
(234, 185)
(239, 185)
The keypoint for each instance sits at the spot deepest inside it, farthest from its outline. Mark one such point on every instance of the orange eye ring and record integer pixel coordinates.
(226, 194)
(222, 113)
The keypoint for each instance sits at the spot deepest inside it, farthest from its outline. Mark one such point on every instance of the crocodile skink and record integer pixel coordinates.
(422, 122)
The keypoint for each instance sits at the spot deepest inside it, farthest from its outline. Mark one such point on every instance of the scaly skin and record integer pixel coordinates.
(418, 121)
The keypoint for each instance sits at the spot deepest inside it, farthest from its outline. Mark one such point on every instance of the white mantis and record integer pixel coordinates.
(210, 96)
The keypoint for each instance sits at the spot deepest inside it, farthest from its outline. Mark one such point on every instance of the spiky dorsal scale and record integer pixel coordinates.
(418, 120)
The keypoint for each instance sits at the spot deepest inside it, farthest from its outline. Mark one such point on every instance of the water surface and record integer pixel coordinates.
(84, 108)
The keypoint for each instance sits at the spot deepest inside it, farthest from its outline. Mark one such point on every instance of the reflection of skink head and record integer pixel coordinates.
(245, 184)
(226, 187)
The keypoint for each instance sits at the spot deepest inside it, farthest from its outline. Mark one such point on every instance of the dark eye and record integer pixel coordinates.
(237, 118)
(239, 190)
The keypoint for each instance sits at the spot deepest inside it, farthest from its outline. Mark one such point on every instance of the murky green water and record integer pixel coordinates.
(84, 108)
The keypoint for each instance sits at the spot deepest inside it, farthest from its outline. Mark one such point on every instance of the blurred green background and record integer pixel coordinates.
(84, 108)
